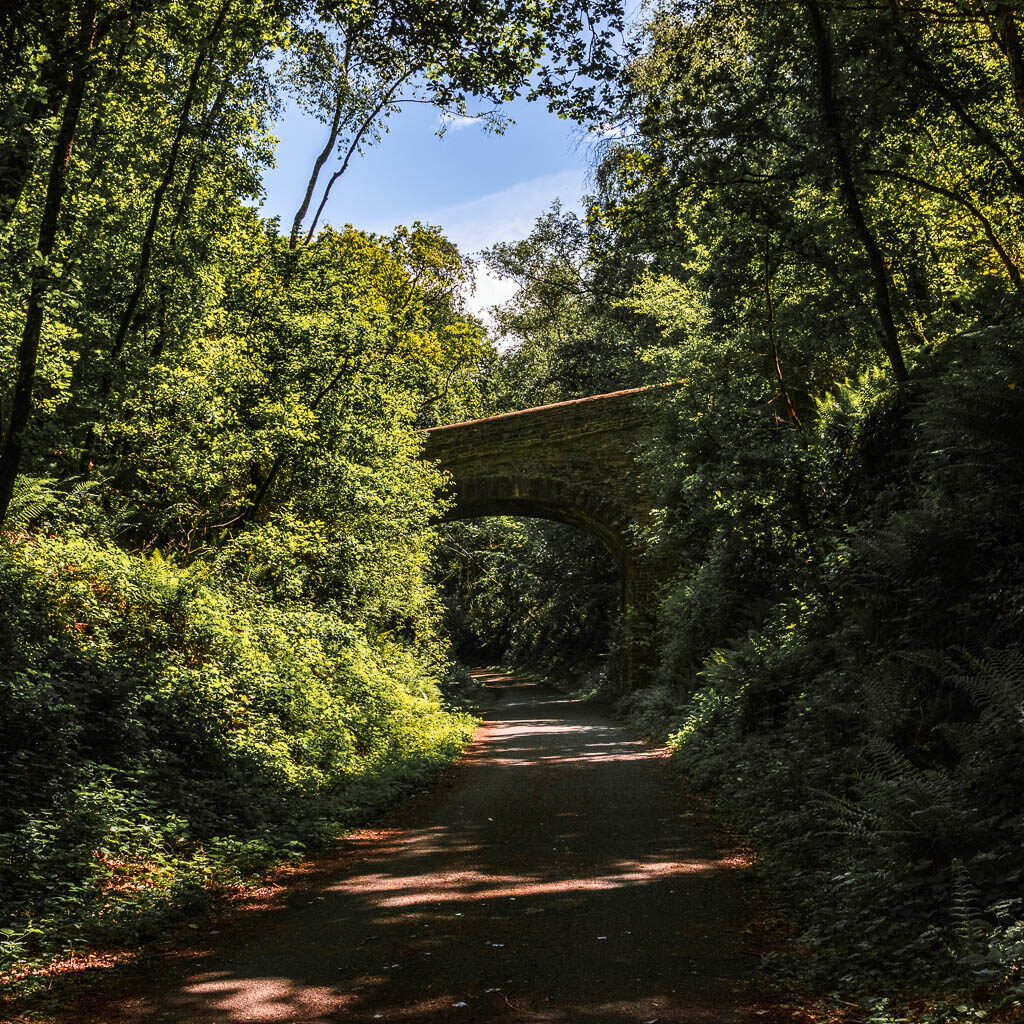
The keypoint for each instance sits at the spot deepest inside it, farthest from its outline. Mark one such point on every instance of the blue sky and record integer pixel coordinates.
(480, 187)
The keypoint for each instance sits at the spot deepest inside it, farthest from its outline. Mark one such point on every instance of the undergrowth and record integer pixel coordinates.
(171, 733)
(868, 728)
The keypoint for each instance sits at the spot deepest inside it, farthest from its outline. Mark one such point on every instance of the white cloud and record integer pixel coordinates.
(491, 290)
(504, 216)
(453, 122)
(508, 215)
(609, 132)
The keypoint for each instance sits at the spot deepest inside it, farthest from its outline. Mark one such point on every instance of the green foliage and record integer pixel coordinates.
(535, 594)
(868, 729)
(32, 498)
(171, 729)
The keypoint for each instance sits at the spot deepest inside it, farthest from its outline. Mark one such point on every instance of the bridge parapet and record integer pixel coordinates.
(574, 462)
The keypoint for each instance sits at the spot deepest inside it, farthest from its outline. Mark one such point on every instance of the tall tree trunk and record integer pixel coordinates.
(250, 513)
(354, 143)
(146, 252)
(184, 203)
(773, 340)
(981, 132)
(1003, 25)
(19, 152)
(56, 186)
(848, 187)
(314, 176)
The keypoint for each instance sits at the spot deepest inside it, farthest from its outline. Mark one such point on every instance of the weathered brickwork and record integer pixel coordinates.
(574, 462)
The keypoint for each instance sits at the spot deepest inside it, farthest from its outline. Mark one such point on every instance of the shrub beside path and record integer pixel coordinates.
(556, 874)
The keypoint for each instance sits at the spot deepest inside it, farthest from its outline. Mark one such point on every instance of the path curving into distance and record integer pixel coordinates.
(556, 874)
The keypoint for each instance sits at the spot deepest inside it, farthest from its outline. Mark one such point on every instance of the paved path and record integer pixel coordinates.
(555, 875)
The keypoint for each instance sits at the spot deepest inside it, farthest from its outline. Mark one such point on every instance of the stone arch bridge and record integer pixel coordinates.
(574, 462)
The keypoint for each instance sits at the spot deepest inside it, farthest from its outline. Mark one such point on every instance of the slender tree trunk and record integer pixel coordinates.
(848, 187)
(975, 211)
(1004, 28)
(314, 177)
(1014, 54)
(357, 138)
(278, 464)
(773, 339)
(982, 133)
(187, 193)
(56, 186)
(89, 145)
(19, 153)
(261, 493)
(146, 253)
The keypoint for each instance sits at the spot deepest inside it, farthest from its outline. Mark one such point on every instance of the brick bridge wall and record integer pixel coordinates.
(573, 462)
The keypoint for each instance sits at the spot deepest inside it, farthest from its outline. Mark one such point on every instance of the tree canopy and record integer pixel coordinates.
(231, 621)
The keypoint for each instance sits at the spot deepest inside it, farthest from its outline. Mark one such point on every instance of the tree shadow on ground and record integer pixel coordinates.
(554, 876)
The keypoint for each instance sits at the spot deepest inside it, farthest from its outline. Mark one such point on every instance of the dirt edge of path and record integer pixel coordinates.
(80, 989)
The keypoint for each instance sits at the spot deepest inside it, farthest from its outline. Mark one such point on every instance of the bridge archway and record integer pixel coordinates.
(537, 497)
(573, 462)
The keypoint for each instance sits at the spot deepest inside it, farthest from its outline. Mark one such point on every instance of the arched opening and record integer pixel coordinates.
(534, 592)
(535, 497)
(594, 512)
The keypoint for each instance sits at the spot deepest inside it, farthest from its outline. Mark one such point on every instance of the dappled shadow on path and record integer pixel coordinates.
(553, 876)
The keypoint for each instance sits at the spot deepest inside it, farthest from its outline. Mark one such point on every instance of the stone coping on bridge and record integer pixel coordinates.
(573, 462)
(626, 393)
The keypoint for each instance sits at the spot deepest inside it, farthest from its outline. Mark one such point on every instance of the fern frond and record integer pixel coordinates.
(32, 498)
(965, 907)
(996, 687)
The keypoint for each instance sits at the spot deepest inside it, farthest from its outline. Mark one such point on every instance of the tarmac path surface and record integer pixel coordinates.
(556, 874)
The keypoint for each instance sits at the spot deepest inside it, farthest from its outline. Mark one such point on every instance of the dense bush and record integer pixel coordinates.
(168, 729)
(868, 727)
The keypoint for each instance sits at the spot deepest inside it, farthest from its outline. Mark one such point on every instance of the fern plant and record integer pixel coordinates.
(966, 911)
(33, 497)
(996, 688)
